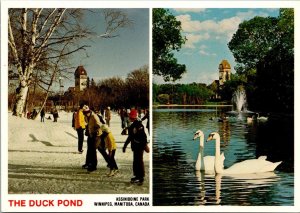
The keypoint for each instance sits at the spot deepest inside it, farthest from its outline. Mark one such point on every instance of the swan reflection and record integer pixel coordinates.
(201, 198)
(212, 186)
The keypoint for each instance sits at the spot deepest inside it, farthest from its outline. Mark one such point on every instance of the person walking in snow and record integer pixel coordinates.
(55, 115)
(111, 146)
(124, 121)
(146, 116)
(42, 115)
(107, 116)
(79, 125)
(93, 132)
(138, 139)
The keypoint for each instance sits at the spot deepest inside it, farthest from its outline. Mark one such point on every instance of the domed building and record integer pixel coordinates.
(80, 79)
(224, 75)
(224, 72)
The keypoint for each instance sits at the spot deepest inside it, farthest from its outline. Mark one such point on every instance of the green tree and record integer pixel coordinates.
(194, 93)
(252, 41)
(275, 72)
(182, 93)
(166, 39)
(264, 50)
(163, 98)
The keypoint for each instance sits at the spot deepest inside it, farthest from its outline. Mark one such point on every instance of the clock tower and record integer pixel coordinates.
(80, 79)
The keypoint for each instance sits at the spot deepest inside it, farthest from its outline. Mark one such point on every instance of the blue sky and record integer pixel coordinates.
(208, 32)
(116, 56)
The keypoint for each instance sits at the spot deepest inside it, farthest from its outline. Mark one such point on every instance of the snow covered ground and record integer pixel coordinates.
(43, 159)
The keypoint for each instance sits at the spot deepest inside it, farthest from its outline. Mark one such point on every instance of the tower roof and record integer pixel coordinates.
(80, 71)
(225, 65)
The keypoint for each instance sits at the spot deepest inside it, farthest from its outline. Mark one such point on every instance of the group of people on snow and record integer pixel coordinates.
(86, 121)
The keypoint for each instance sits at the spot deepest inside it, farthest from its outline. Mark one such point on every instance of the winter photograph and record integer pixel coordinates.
(223, 107)
(78, 101)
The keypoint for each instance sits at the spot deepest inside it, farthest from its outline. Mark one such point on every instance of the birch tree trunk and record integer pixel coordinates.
(47, 37)
(21, 96)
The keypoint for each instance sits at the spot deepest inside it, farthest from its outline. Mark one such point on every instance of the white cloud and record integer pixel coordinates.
(204, 77)
(205, 53)
(208, 77)
(224, 28)
(192, 10)
(246, 15)
(250, 14)
(195, 38)
(187, 24)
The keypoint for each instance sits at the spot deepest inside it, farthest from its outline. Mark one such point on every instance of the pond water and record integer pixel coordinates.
(175, 181)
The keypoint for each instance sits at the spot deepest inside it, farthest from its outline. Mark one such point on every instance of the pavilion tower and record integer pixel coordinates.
(80, 79)
(224, 72)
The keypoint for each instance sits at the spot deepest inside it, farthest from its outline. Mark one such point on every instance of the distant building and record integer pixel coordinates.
(71, 89)
(224, 72)
(224, 75)
(80, 79)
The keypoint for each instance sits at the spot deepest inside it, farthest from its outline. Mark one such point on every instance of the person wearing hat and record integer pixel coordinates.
(79, 124)
(111, 146)
(138, 139)
(107, 116)
(93, 132)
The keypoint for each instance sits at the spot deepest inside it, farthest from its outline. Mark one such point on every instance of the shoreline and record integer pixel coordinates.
(190, 105)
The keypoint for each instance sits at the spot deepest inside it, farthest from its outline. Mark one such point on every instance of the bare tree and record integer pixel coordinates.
(42, 40)
(137, 83)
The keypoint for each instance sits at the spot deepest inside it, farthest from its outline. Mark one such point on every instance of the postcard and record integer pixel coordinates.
(149, 106)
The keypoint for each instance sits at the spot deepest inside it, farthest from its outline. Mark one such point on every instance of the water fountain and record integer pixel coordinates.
(239, 101)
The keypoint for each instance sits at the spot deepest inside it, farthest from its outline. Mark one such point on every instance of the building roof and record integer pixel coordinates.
(224, 64)
(80, 71)
(71, 89)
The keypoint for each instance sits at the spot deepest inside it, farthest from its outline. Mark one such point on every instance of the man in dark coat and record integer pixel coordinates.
(138, 139)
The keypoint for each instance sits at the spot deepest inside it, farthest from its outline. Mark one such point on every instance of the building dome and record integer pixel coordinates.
(80, 71)
(224, 65)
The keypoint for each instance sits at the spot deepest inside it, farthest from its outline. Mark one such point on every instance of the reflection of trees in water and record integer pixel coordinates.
(174, 178)
(274, 139)
(224, 131)
(170, 171)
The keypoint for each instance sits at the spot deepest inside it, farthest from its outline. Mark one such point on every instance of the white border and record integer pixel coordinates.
(89, 199)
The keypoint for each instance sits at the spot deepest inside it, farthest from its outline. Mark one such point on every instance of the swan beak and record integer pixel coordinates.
(195, 136)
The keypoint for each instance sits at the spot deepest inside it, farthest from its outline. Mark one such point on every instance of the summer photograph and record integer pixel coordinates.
(223, 106)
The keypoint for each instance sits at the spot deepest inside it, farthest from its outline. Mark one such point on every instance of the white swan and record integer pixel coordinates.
(261, 118)
(245, 167)
(204, 163)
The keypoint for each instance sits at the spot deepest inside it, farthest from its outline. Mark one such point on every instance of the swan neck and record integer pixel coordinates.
(201, 151)
(218, 158)
(218, 151)
(201, 142)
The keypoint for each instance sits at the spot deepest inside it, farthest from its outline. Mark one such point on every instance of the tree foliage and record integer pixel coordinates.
(117, 92)
(166, 38)
(181, 93)
(264, 50)
(137, 84)
(252, 41)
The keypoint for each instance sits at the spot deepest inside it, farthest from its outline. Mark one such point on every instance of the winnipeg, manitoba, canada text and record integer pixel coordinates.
(126, 201)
